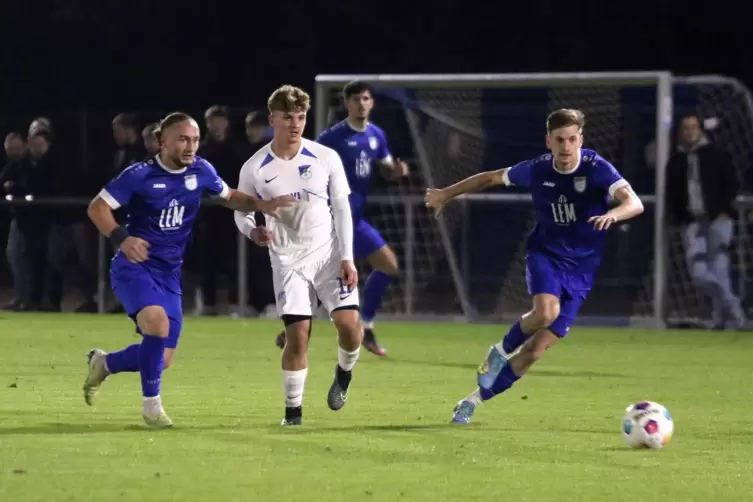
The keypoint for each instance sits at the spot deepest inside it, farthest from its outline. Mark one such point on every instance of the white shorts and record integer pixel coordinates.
(297, 290)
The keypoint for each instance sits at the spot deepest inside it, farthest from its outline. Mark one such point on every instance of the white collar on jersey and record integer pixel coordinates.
(163, 166)
(365, 126)
(276, 157)
(571, 171)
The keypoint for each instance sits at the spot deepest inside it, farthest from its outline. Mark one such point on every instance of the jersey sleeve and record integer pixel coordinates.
(118, 192)
(607, 178)
(214, 185)
(520, 174)
(325, 138)
(338, 182)
(246, 181)
(383, 153)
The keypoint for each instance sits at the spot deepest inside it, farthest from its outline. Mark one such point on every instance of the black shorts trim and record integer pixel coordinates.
(346, 307)
(288, 319)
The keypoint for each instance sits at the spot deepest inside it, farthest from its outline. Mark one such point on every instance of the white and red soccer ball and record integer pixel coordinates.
(647, 425)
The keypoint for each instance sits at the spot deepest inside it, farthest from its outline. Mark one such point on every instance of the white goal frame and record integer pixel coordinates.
(662, 80)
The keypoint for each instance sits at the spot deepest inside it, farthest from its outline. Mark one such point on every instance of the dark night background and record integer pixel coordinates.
(82, 62)
(141, 53)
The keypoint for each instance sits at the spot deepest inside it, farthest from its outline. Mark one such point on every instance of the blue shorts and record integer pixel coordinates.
(366, 240)
(544, 276)
(136, 289)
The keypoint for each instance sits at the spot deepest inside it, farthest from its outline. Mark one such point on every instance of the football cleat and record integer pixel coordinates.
(463, 412)
(97, 374)
(293, 416)
(370, 343)
(338, 392)
(158, 419)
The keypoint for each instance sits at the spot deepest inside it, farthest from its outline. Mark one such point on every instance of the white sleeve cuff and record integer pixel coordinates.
(109, 199)
(343, 227)
(506, 177)
(245, 222)
(621, 183)
(225, 193)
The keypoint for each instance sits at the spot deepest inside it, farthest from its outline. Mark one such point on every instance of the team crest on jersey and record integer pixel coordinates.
(191, 182)
(580, 183)
(305, 172)
(373, 143)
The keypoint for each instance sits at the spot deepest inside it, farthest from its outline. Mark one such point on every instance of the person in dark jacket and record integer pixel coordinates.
(21, 178)
(701, 189)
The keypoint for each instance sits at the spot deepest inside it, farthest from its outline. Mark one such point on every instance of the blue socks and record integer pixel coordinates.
(126, 360)
(373, 292)
(514, 338)
(504, 381)
(151, 359)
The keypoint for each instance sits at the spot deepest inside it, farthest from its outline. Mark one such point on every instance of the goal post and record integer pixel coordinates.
(470, 262)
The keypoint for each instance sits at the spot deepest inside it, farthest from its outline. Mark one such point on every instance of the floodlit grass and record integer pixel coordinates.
(554, 436)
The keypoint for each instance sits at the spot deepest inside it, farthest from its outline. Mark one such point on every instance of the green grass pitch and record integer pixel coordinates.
(554, 436)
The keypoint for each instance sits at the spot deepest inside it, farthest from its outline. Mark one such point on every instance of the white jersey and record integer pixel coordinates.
(304, 232)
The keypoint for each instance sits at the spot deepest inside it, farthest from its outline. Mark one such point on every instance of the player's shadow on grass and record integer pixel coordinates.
(370, 428)
(439, 364)
(575, 374)
(533, 372)
(63, 429)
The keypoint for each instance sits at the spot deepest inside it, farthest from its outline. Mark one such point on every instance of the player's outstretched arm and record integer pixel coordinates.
(629, 206)
(245, 203)
(435, 198)
(134, 248)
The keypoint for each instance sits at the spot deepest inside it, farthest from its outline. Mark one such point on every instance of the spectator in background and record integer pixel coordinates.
(69, 250)
(125, 131)
(151, 141)
(12, 184)
(701, 189)
(257, 132)
(214, 226)
(24, 176)
(55, 183)
(39, 124)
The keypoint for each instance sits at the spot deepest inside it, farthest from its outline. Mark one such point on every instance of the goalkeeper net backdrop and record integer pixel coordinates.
(470, 262)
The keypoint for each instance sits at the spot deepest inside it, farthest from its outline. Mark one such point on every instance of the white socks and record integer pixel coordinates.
(293, 382)
(474, 397)
(346, 359)
(152, 405)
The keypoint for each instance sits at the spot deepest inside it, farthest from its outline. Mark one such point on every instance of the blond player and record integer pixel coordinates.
(310, 244)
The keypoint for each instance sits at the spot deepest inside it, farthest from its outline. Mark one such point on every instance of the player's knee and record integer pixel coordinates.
(297, 329)
(385, 261)
(546, 314)
(347, 321)
(153, 321)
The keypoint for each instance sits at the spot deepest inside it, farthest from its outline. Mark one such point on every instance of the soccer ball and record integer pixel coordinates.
(647, 425)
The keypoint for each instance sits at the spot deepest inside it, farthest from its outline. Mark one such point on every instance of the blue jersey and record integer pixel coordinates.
(359, 152)
(563, 203)
(162, 205)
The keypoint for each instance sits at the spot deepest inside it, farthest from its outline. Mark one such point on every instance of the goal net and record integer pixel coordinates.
(725, 107)
(471, 261)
